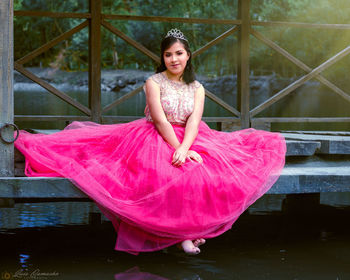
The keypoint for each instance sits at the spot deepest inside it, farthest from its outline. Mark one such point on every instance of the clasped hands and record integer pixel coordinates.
(181, 154)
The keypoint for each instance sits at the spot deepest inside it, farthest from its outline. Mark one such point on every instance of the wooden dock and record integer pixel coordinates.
(315, 163)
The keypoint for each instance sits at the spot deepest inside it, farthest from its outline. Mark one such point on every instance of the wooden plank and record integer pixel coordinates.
(301, 24)
(215, 41)
(292, 180)
(95, 7)
(52, 89)
(243, 101)
(222, 103)
(299, 63)
(172, 19)
(300, 82)
(312, 180)
(50, 14)
(6, 86)
(319, 132)
(301, 119)
(302, 148)
(50, 118)
(38, 187)
(116, 119)
(52, 43)
(329, 144)
(122, 99)
(222, 119)
(300, 136)
(43, 131)
(130, 41)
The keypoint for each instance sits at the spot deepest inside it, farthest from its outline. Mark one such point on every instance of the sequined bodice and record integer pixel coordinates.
(177, 98)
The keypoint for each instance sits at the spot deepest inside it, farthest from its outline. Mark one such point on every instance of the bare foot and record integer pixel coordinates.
(190, 248)
(198, 242)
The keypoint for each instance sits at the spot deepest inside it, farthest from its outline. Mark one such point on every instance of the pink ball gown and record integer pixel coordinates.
(126, 169)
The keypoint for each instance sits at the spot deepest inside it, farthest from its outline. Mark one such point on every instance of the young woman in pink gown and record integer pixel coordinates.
(167, 178)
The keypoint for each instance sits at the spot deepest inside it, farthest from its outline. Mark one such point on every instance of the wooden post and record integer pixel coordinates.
(243, 62)
(6, 86)
(95, 60)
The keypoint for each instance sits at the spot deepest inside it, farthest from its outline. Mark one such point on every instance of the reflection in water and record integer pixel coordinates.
(23, 260)
(135, 274)
(25, 215)
(312, 245)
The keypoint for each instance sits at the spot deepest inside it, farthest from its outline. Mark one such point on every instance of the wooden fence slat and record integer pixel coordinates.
(122, 99)
(95, 7)
(130, 41)
(301, 24)
(215, 41)
(299, 82)
(51, 14)
(299, 63)
(6, 86)
(171, 19)
(52, 43)
(113, 119)
(222, 103)
(301, 119)
(52, 89)
(210, 95)
(243, 89)
(20, 118)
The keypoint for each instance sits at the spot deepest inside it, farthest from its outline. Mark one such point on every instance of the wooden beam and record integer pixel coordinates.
(294, 179)
(222, 103)
(301, 120)
(51, 14)
(299, 63)
(52, 43)
(6, 86)
(95, 60)
(243, 101)
(215, 41)
(21, 118)
(172, 19)
(330, 144)
(301, 24)
(299, 82)
(122, 99)
(114, 119)
(130, 41)
(52, 89)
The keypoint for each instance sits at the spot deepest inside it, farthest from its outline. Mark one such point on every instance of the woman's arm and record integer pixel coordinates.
(191, 129)
(160, 121)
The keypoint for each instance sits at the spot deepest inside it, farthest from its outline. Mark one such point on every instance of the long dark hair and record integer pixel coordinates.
(188, 75)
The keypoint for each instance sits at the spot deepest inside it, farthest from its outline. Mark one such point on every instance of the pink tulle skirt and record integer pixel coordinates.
(126, 169)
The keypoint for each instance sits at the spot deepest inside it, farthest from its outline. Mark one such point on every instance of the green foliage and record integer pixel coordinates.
(312, 46)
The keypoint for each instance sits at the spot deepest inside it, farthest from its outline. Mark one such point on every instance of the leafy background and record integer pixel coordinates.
(312, 46)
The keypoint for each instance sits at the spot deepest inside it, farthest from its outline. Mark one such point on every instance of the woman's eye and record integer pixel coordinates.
(167, 54)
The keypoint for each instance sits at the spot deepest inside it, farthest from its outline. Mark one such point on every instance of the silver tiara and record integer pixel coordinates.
(176, 33)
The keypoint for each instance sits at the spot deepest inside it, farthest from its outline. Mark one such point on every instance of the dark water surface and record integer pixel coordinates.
(38, 242)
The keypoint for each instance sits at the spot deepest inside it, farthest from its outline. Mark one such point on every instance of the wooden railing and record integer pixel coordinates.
(94, 20)
(311, 73)
(243, 115)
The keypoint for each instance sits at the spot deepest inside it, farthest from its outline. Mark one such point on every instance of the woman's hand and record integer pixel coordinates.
(179, 156)
(192, 155)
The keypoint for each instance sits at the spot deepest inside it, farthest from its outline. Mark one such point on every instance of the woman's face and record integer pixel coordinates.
(175, 59)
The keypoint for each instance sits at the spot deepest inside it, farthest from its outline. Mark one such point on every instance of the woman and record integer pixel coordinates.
(168, 178)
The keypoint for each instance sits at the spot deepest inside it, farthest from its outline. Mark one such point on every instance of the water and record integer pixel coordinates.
(55, 241)
(40, 102)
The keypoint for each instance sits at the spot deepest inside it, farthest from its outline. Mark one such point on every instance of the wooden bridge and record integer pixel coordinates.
(316, 161)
